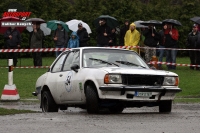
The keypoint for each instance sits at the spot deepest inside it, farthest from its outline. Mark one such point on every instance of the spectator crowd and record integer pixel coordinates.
(147, 37)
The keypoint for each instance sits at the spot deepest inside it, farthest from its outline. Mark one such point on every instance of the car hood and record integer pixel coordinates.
(139, 71)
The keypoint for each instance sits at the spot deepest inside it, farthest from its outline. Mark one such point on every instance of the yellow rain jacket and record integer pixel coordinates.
(132, 38)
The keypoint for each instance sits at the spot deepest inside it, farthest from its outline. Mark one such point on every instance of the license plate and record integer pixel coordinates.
(143, 94)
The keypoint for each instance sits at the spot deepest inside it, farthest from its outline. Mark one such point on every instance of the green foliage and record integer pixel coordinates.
(88, 10)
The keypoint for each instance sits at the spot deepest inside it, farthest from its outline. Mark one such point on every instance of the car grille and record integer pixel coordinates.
(153, 80)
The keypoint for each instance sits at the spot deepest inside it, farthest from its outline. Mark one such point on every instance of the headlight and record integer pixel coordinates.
(112, 79)
(171, 81)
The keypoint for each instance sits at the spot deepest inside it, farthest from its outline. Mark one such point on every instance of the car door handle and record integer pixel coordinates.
(60, 75)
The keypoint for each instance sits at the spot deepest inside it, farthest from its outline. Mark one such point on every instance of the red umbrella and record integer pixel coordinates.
(9, 19)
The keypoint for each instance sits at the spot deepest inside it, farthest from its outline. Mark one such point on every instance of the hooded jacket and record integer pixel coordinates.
(73, 43)
(132, 38)
(83, 37)
(15, 40)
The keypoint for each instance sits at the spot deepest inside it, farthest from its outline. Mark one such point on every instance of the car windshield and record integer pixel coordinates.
(111, 57)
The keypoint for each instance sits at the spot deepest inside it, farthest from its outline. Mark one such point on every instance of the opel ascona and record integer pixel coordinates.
(96, 78)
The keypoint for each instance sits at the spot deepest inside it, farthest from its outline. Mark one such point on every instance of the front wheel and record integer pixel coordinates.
(92, 100)
(47, 103)
(165, 106)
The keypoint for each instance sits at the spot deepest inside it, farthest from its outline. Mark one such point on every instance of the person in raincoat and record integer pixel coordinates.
(73, 41)
(132, 37)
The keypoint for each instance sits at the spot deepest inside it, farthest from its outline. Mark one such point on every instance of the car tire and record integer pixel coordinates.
(116, 109)
(165, 106)
(47, 103)
(92, 100)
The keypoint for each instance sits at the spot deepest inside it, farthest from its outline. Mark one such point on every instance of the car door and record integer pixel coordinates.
(54, 74)
(67, 84)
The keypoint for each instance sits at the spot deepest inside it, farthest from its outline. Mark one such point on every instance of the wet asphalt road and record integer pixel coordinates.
(185, 118)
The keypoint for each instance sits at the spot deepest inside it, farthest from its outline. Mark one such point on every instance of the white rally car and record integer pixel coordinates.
(96, 78)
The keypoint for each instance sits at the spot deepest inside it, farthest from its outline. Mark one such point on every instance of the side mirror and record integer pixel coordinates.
(75, 67)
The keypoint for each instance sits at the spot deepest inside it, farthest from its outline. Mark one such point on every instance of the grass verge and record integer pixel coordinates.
(4, 111)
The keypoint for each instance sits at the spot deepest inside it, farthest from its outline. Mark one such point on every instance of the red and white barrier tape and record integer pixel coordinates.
(152, 62)
(29, 67)
(128, 47)
(174, 64)
(33, 50)
(63, 49)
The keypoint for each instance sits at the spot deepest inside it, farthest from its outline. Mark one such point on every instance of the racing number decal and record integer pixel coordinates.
(68, 82)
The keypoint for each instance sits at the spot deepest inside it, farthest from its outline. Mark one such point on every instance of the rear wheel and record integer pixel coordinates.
(92, 100)
(165, 106)
(47, 103)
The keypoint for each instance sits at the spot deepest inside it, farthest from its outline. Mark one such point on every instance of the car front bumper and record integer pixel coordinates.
(140, 88)
(129, 93)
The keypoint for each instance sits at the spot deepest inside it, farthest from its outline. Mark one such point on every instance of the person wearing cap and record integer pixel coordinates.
(103, 34)
(60, 38)
(193, 42)
(171, 42)
(12, 39)
(83, 36)
(132, 37)
(36, 40)
(123, 31)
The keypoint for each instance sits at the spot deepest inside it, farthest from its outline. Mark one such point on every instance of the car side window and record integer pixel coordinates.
(72, 58)
(58, 65)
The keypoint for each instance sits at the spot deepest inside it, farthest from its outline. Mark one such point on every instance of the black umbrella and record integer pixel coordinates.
(195, 19)
(111, 21)
(139, 25)
(35, 20)
(151, 22)
(172, 21)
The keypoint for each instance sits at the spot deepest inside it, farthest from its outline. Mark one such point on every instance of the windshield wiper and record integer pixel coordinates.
(129, 63)
(103, 61)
